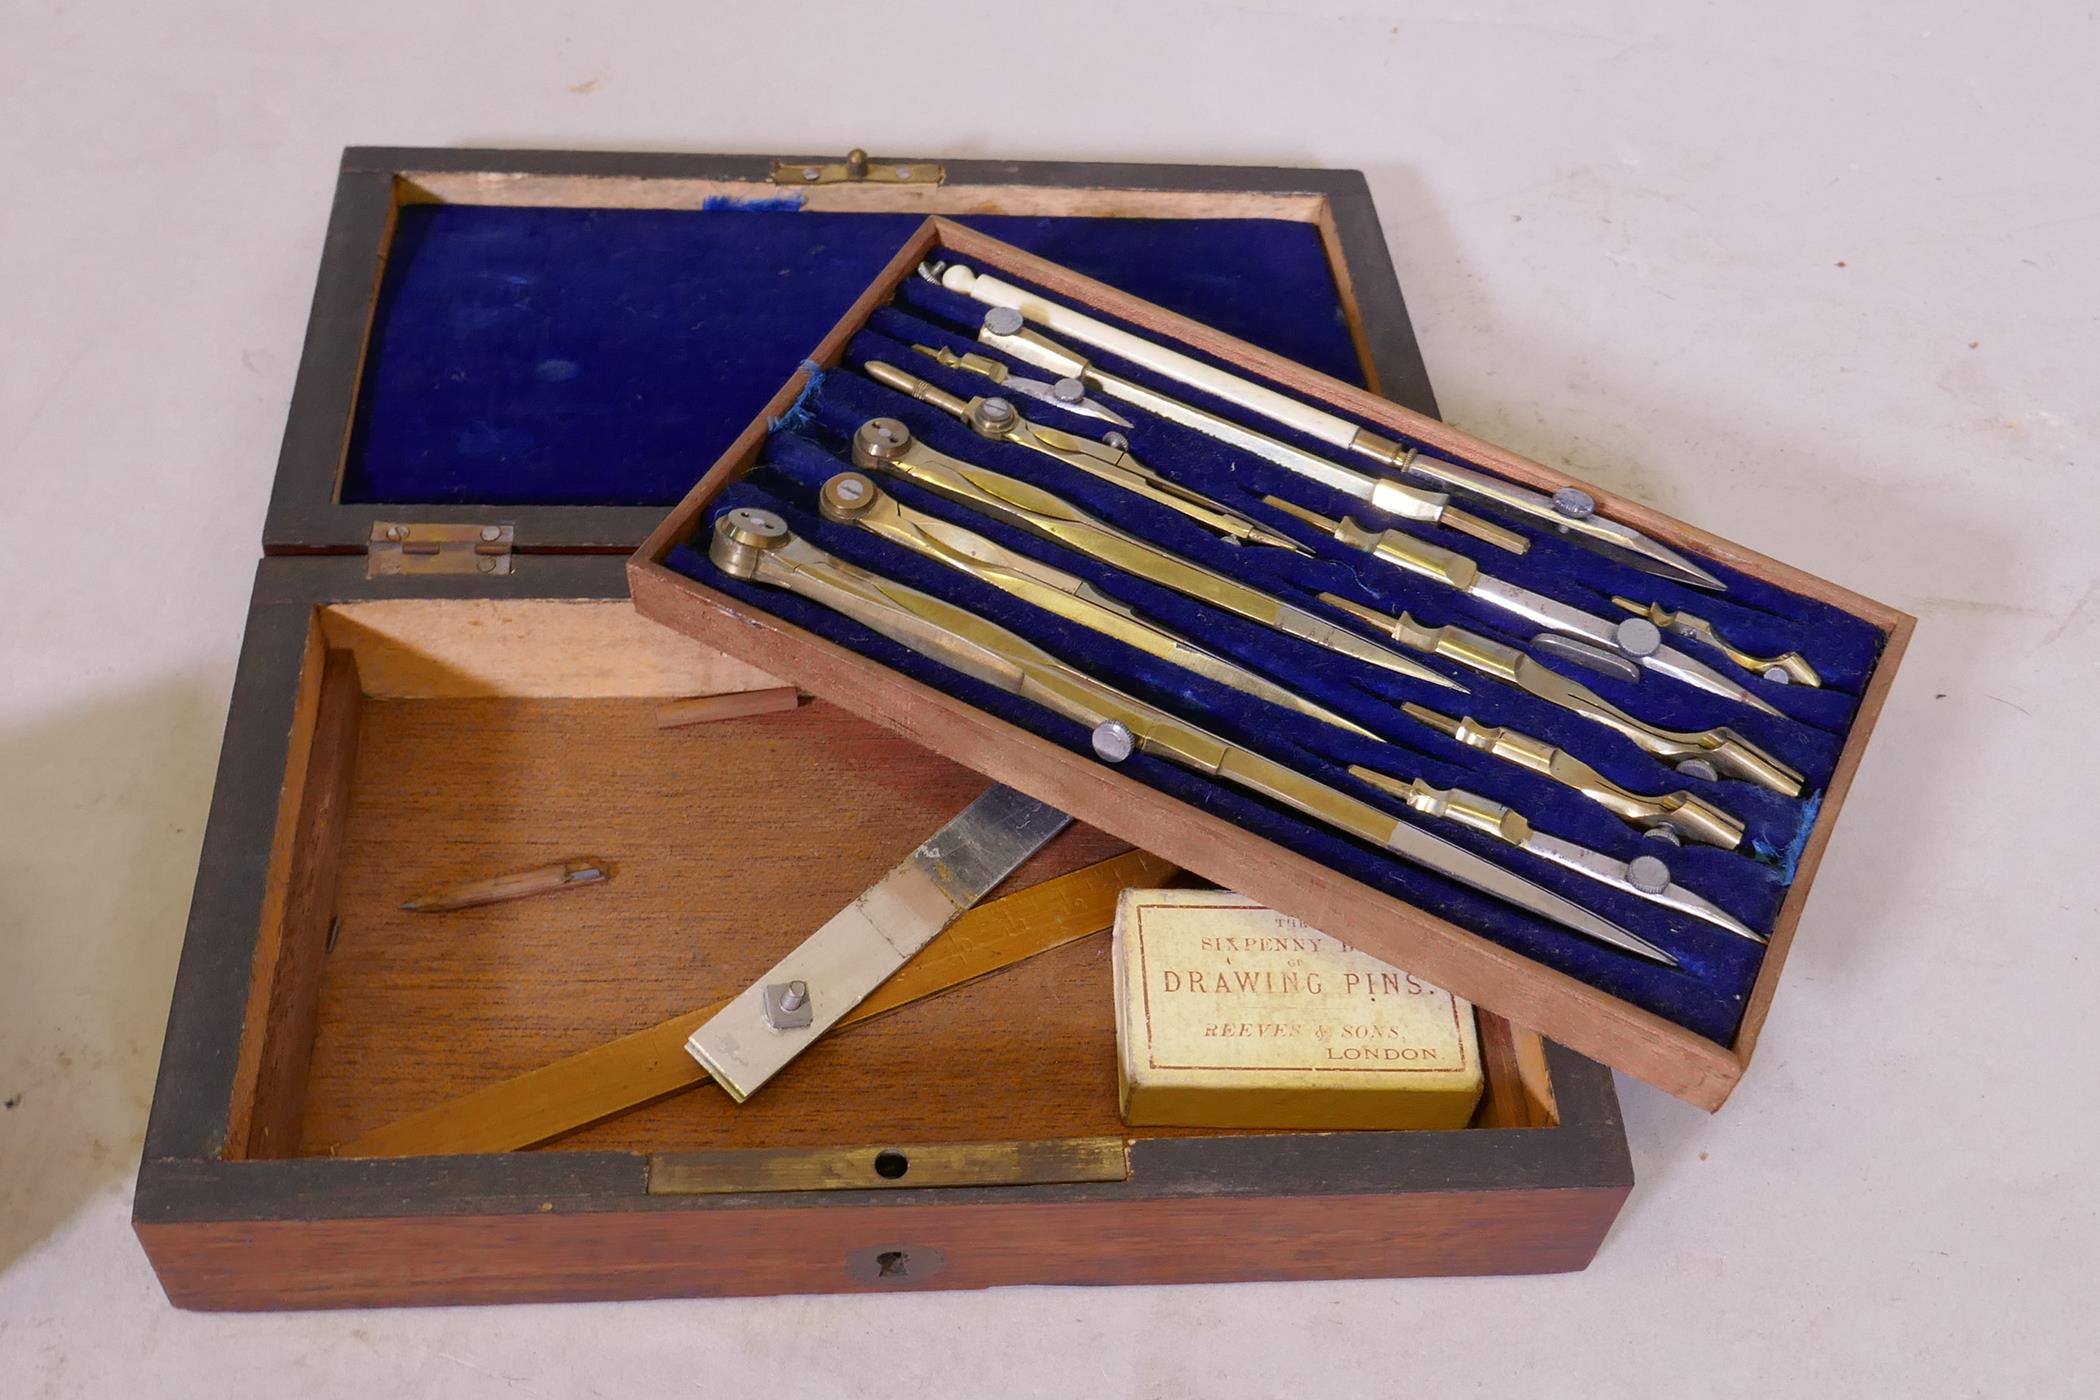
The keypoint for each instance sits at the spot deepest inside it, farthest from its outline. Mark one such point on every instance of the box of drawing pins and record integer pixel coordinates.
(1232, 1015)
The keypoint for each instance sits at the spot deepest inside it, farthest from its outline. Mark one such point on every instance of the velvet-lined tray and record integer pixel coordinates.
(1689, 1028)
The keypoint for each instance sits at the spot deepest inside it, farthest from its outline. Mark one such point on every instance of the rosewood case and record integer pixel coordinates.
(392, 731)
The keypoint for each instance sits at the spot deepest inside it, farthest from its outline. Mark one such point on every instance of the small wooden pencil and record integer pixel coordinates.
(519, 884)
(736, 704)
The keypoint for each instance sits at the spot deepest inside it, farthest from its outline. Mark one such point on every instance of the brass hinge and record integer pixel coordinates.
(856, 169)
(403, 547)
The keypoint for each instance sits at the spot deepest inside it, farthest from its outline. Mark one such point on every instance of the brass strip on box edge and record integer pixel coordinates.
(905, 1165)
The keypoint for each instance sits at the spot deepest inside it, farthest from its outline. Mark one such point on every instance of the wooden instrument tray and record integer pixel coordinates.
(1489, 973)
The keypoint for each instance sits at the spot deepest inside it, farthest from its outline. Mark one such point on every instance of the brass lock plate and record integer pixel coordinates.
(856, 168)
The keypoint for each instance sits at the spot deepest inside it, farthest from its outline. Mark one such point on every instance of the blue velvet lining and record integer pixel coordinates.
(1706, 994)
(525, 356)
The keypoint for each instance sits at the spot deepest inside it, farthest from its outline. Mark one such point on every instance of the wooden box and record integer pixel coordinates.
(391, 730)
(1492, 976)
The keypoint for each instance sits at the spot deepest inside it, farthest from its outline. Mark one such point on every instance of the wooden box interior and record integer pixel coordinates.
(440, 739)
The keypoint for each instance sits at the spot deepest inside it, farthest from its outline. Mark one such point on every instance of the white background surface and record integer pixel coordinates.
(1822, 278)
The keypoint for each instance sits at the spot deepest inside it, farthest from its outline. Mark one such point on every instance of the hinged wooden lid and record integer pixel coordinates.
(474, 357)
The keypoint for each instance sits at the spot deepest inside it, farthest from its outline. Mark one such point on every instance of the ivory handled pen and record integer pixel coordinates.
(1569, 511)
(518, 884)
(1005, 330)
(1316, 423)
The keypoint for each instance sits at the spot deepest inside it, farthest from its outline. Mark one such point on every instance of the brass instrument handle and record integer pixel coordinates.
(924, 392)
(994, 370)
(1468, 809)
(1689, 815)
(1446, 566)
(1505, 743)
(1482, 654)
(1398, 498)
(1402, 550)
(1729, 752)
(1792, 666)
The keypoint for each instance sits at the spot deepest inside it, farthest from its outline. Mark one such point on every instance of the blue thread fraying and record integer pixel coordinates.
(771, 204)
(798, 415)
(1790, 858)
